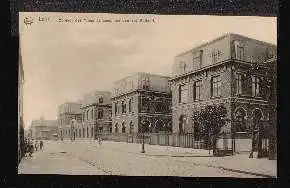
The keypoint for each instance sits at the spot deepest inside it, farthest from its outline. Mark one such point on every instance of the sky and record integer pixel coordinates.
(64, 60)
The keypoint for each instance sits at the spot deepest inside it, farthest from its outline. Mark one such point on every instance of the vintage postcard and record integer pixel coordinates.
(147, 95)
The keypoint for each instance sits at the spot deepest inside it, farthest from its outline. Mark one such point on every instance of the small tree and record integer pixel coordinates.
(210, 120)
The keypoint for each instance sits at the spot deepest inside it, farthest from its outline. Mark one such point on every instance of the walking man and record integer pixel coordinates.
(41, 144)
(35, 145)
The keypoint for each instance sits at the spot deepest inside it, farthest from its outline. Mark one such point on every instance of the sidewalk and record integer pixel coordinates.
(237, 163)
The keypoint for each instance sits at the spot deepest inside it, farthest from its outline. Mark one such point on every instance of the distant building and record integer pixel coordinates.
(96, 113)
(66, 113)
(44, 129)
(20, 107)
(223, 71)
(138, 99)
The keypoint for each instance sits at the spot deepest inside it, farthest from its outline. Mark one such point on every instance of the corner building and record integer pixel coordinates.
(67, 112)
(96, 113)
(229, 70)
(141, 98)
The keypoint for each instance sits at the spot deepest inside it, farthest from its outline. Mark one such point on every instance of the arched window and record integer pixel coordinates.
(87, 132)
(123, 127)
(92, 131)
(240, 117)
(131, 129)
(101, 100)
(116, 127)
(181, 124)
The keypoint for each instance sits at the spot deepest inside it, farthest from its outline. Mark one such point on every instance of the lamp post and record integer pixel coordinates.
(143, 131)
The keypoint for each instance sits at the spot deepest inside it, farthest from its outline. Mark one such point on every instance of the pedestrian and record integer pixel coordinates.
(35, 145)
(100, 141)
(41, 144)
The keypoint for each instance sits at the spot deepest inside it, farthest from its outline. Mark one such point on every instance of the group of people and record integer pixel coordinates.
(31, 146)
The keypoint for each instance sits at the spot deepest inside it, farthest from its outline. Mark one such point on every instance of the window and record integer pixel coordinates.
(101, 100)
(182, 94)
(92, 132)
(87, 132)
(123, 127)
(123, 107)
(131, 127)
(215, 86)
(116, 108)
(116, 128)
(130, 105)
(145, 104)
(100, 129)
(196, 90)
(197, 57)
(183, 66)
(239, 82)
(255, 86)
(100, 113)
(240, 52)
(159, 105)
(92, 113)
(146, 83)
(110, 128)
(120, 108)
(215, 56)
(88, 114)
(84, 116)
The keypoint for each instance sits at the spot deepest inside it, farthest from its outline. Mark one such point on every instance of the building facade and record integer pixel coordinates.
(42, 129)
(96, 113)
(20, 108)
(67, 112)
(141, 99)
(229, 70)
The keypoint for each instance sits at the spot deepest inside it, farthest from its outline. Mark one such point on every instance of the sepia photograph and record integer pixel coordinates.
(147, 95)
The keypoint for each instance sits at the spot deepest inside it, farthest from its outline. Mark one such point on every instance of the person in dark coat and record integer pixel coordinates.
(35, 145)
(41, 144)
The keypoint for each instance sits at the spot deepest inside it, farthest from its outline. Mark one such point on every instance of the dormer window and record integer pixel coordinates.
(197, 58)
(146, 83)
(239, 50)
(101, 100)
(216, 54)
(183, 66)
(269, 55)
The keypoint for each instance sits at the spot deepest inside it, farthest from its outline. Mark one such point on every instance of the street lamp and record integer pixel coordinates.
(143, 136)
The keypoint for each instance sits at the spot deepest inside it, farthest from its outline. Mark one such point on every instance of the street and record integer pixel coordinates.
(89, 158)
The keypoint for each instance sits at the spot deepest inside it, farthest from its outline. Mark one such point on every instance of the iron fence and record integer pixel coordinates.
(185, 140)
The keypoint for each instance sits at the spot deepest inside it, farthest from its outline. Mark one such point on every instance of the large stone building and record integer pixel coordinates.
(229, 70)
(96, 113)
(141, 99)
(42, 129)
(67, 112)
(20, 108)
